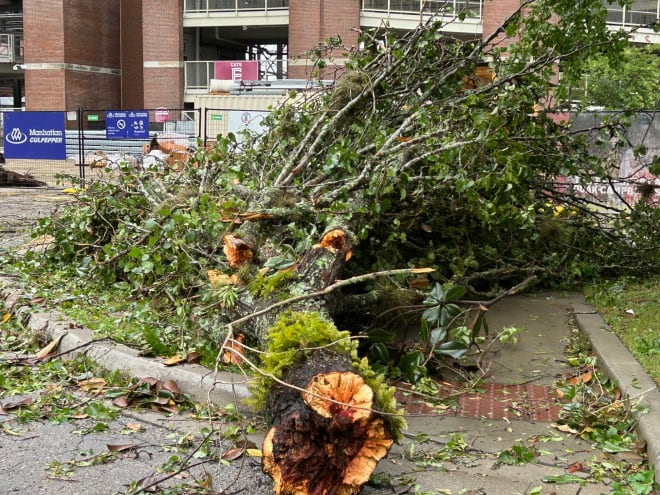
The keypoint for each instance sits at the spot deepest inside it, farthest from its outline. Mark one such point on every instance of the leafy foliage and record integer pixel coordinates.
(594, 409)
(419, 159)
(445, 333)
(626, 82)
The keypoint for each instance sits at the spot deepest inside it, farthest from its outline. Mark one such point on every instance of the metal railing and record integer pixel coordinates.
(206, 6)
(446, 8)
(11, 48)
(640, 13)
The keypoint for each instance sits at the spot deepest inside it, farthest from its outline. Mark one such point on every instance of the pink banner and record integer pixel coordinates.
(236, 70)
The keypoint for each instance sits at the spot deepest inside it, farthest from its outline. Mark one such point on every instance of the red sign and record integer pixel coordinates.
(236, 70)
(162, 114)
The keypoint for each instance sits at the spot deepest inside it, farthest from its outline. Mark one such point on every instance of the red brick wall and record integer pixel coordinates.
(91, 33)
(81, 32)
(44, 90)
(495, 12)
(312, 21)
(91, 91)
(162, 43)
(132, 71)
(140, 42)
(43, 43)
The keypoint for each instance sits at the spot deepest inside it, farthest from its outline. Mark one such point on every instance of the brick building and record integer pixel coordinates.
(70, 54)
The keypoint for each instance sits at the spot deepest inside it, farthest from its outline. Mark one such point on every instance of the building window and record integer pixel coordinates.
(472, 8)
(640, 13)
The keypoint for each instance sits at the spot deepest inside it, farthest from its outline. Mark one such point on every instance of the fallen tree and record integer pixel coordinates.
(9, 178)
(272, 243)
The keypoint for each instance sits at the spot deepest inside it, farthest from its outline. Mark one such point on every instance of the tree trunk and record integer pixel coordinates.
(324, 437)
(325, 440)
(9, 178)
(319, 267)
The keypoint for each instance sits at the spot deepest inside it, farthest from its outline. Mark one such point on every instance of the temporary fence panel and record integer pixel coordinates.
(631, 168)
(96, 140)
(111, 138)
(25, 164)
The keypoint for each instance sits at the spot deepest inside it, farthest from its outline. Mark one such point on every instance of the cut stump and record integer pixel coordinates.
(325, 438)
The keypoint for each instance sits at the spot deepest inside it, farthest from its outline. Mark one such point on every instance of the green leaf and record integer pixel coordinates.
(454, 293)
(438, 335)
(453, 349)
(609, 446)
(563, 479)
(411, 367)
(135, 252)
(432, 315)
(279, 263)
(100, 411)
(448, 314)
(379, 353)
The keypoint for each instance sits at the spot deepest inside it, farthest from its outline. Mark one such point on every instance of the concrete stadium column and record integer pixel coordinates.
(312, 21)
(71, 53)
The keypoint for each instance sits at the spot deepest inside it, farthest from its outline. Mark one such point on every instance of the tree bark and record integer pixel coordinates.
(324, 437)
(325, 440)
(8, 178)
(320, 266)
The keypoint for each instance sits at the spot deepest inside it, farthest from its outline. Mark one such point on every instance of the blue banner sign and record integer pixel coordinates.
(123, 124)
(35, 135)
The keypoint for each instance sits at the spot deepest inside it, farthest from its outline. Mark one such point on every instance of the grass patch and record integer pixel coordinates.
(111, 310)
(632, 308)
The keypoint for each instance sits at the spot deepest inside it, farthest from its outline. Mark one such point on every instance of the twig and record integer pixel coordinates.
(327, 290)
(182, 467)
(73, 349)
(510, 292)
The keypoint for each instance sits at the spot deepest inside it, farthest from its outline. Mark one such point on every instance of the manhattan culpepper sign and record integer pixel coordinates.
(35, 135)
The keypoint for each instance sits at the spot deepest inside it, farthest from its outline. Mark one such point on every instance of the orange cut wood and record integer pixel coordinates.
(238, 251)
(233, 350)
(329, 441)
(348, 395)
(334, 239)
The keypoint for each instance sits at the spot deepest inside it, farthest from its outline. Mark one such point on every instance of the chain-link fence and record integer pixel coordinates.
(96, 141)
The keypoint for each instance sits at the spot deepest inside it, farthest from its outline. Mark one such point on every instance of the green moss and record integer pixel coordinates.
(272, 285)
(291, 340)
(384, 400)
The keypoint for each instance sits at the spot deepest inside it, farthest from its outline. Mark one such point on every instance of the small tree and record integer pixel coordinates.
(628, 82)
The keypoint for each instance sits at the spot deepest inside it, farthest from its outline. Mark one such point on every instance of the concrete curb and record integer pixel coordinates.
(195, 380)
(619, 364)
